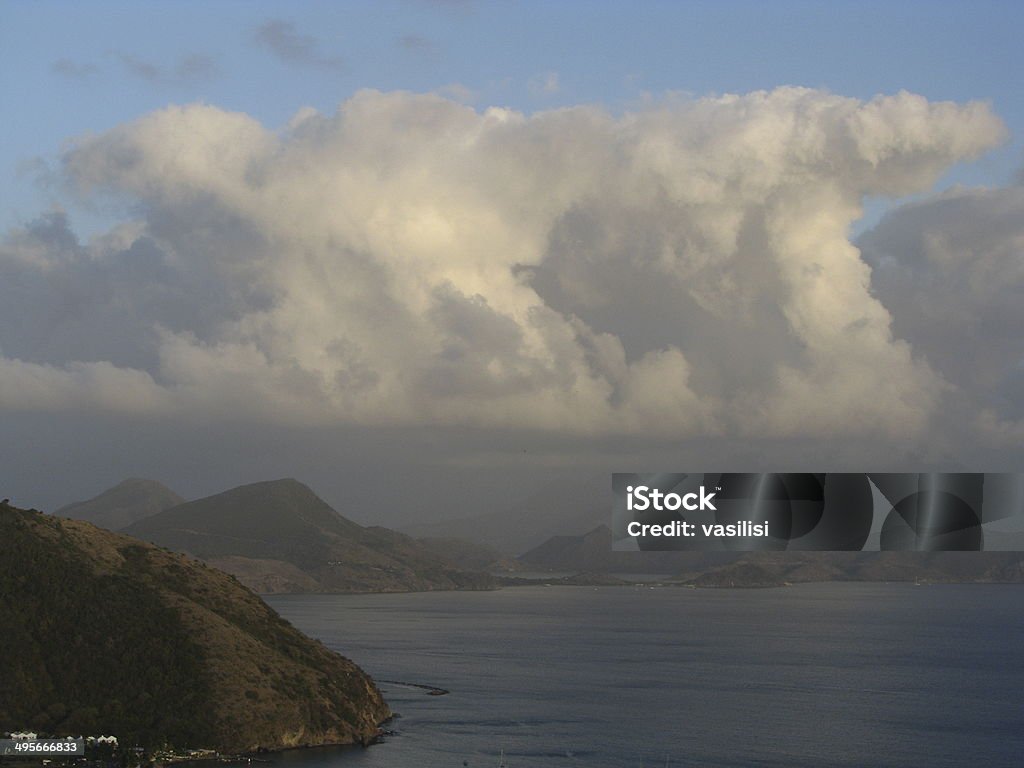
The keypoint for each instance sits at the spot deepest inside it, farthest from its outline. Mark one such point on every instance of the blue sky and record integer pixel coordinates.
(67, 69)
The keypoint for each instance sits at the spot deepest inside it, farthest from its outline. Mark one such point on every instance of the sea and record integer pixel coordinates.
(841, 674)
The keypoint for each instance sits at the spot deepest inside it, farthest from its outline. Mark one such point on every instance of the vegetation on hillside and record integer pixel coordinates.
(92, 653)
(106, 634)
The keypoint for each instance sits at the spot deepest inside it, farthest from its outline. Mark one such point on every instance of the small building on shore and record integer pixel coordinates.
(112, 740)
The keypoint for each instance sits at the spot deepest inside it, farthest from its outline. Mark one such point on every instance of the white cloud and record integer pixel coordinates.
(679, 271)
(951, 270)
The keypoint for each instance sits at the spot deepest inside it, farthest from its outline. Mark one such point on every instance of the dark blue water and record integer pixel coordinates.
(813, 675)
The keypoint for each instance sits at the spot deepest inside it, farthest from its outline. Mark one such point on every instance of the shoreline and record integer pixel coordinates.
(254, 757)
(577, 581)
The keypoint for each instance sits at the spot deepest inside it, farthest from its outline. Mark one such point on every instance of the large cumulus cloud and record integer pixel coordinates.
(680, 270)
(951, 270)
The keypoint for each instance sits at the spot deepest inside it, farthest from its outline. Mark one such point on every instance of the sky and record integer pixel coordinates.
(431, 256)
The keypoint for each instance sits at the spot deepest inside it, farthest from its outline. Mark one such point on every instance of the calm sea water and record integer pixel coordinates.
(813, 675)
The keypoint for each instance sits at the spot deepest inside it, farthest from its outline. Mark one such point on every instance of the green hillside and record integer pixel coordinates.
(106, 634)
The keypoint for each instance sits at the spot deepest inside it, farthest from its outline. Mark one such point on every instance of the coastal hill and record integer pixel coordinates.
(279, 536)
(571, 506)
(124, 504)
(106, 634)
(757, 569)
(592, 554)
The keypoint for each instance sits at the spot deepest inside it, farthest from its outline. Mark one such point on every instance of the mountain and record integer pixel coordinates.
(570, 506)
(470, 555)
(124, 504)
(592, 553)
(103, 633)
(279, 536)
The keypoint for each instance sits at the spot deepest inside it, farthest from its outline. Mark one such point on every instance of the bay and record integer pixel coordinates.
(837, 674)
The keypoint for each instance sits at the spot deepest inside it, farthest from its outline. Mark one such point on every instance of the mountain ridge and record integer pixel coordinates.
(572, 506)
(279, 536)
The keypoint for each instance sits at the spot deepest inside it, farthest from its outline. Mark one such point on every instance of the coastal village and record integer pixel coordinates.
(104, 751)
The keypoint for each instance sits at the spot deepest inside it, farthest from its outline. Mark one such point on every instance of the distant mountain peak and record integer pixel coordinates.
(288, 485)
(131, 500)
